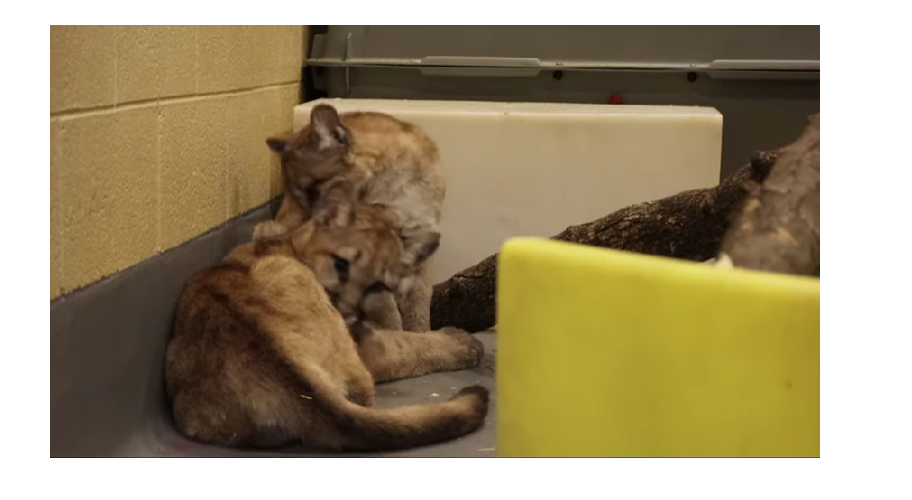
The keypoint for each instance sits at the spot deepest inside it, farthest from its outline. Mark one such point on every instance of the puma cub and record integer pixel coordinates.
(379, 160)
(261, 356)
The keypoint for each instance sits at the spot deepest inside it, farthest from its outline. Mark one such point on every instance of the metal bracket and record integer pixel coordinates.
(346, 58)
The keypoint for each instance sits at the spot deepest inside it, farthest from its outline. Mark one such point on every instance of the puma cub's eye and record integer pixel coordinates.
(377, 287)
(341, 266)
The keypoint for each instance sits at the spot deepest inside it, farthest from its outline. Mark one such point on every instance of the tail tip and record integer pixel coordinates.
(479, 394)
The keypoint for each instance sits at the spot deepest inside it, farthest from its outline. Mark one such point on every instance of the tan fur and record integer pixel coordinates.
(260, 356)
(380, 160)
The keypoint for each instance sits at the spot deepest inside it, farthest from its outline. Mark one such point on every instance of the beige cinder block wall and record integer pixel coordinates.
(158, 134)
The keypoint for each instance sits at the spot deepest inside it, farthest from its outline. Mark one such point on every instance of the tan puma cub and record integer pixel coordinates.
(260, 357)
(380, 160)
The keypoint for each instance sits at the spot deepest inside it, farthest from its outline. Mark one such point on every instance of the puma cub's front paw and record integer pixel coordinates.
(472, 348)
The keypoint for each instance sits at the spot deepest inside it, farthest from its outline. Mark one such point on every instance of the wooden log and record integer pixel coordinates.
(689, 225)
(777, 228)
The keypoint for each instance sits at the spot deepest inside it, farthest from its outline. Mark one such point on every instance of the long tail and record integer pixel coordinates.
(367, 428)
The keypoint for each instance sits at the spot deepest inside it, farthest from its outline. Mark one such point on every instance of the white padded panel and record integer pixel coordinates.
(532, 169)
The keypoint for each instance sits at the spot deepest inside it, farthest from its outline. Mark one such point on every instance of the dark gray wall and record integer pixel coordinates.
(763, 108)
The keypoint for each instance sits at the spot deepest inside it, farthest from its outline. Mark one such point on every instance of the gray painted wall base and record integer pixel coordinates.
(108, 341)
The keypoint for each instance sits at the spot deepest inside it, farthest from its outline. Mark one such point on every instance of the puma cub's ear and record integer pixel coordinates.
(276, 144)
(419, 246)
(326, 129)
(268, 229)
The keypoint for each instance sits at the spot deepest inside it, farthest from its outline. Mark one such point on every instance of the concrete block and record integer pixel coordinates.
(249, 176)
(156, 61)
(83, 67)
(227, 58)
(56, 226)
(193, 168)
(108, 190)
(280, 53)
(279, 105)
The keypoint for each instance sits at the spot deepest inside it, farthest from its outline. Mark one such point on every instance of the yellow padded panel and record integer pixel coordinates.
(615, 354)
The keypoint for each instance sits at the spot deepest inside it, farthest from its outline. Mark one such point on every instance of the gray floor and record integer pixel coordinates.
(160, 438)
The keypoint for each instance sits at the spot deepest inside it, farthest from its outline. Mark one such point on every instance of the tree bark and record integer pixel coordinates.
(777, 228)
(689, 225)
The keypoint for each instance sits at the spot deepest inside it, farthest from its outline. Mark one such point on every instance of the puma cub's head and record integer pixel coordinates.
(358, 250)
(315, 155)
